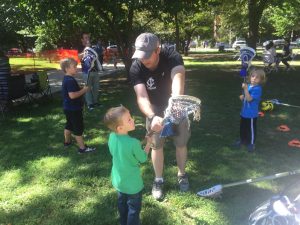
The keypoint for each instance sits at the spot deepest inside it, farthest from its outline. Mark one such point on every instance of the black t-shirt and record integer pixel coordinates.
(158, 83)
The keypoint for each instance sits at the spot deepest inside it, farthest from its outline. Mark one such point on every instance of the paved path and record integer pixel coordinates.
(56, 76)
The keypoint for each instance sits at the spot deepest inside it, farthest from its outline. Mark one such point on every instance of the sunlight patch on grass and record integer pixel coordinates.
(48, 165)
(10, 178)
(24, 120)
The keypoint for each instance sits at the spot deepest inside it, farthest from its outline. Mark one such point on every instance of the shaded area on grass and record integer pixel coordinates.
(43, 183)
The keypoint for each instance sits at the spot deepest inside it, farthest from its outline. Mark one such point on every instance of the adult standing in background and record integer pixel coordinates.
(156, 74)
(100, 51)
(4, 74)
(90, 75)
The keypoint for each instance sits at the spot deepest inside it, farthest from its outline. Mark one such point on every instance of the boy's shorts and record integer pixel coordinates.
(183, 134)
(74, 122)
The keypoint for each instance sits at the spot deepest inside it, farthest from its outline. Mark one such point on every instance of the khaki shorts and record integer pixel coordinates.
(183, 134)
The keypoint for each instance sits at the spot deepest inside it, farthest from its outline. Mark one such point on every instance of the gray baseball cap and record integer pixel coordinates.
(145, 44)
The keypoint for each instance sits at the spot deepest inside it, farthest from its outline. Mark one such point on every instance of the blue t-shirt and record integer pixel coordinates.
(69, 84)
(250, 109)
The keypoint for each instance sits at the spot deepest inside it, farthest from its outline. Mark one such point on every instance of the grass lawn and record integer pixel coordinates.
(31, 64)
(43, 183)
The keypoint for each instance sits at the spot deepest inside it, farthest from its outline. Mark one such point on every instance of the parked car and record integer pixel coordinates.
(112, 48)
(279, 42)
(239, 44)
(193, 44)
(14, 52)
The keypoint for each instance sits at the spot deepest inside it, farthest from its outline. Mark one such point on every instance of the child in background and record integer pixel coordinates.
(72, 105)
(249, 113)
(127, 154)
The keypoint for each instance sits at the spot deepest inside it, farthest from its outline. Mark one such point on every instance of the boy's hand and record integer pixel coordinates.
(148, 144)
(244, 86)
(242, 97)
(86, 88)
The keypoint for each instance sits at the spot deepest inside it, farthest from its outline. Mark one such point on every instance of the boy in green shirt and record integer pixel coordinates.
(127, 154)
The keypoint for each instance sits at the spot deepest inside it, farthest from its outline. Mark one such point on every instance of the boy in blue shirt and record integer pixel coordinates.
(249, 112)
(72, 105)
(127, 154)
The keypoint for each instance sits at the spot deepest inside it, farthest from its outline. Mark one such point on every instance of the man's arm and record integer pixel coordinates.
(146, 107)
(143, 100)
(178, 80)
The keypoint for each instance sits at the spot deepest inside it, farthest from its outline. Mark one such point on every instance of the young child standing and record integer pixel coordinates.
(127, 154)
(249, 112)
(72, 105)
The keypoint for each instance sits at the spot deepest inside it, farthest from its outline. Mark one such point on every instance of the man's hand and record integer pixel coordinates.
(156, 124)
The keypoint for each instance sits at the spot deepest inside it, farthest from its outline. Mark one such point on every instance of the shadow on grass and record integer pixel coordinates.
(75, 189)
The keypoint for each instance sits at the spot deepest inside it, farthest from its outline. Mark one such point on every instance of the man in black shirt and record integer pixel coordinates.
(156, 74)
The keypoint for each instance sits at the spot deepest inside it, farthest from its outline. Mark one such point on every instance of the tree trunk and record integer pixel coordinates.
(255, 9)
(178, 47)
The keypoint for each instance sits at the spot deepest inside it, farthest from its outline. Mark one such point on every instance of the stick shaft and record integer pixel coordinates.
(271, 177)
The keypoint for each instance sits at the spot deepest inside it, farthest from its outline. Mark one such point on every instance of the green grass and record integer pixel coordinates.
(42, 183)
(31, 64)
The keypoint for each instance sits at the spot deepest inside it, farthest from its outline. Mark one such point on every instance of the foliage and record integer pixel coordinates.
(285, 19)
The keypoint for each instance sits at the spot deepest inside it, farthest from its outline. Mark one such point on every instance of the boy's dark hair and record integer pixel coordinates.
(66, 63)
(113, 117)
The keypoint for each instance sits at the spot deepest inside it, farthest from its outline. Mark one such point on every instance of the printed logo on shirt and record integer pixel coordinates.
(150, 84)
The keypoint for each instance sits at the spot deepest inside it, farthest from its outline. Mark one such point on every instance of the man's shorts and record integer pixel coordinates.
(74, 122)
(183, 134)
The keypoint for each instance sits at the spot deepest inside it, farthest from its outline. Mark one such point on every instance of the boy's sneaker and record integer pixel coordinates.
(251, 148)
(86, 150)
(183, 182)
(67, 144)
(91, 107)
(157, 190)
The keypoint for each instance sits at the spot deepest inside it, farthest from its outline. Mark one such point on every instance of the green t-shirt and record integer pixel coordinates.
(127, 154)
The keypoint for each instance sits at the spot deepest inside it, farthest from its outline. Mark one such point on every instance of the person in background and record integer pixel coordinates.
(90, 68)
(4, 74)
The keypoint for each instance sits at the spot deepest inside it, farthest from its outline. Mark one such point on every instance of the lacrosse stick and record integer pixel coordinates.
(277, 102)
(246, 56)
(216, 190)
(179, 108)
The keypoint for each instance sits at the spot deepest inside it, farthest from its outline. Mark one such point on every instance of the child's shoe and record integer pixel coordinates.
(67, 144)
(87, 149)
(251, 148)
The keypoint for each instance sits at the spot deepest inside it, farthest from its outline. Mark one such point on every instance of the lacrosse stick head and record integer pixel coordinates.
(246, 56)
(212, 192)
(181, 106)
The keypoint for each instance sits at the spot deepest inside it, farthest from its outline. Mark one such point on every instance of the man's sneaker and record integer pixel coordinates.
(183, 182)
(67, 144)
(157, 190)
(86, 150)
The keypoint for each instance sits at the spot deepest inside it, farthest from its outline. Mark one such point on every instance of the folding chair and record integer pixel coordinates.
(17, 88)
(42, 87)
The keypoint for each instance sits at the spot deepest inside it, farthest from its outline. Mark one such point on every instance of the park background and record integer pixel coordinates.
(42, 183)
